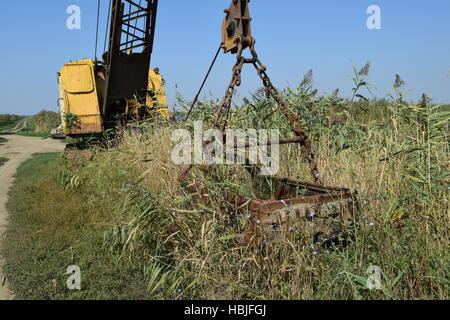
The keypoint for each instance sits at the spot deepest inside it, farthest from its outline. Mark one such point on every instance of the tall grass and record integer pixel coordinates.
(189, 247)
(51, 228)
(395, 154)
(9, 121)
(41, 124)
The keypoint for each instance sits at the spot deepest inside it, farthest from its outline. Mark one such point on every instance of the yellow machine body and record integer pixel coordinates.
(79, 99)
(157, 99)
(82, 94)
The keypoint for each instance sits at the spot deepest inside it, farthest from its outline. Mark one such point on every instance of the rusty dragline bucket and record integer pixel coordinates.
(323, 215)
(325, 212)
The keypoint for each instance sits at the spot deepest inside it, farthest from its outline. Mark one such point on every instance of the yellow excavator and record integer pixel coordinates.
(100, 95)
(121, 89)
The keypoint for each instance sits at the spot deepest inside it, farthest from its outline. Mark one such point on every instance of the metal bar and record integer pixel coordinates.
(152, 18)
(135, 18)
(132, 35)
(132, 41)
(132, 47)
(279, 142)
(128, 15)
(136, 5)
(134, 27)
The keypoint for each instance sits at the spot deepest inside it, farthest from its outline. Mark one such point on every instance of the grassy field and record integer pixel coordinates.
(136, 233)
(3, 140)
(3, 161)
(41, 124)
(9, 121)
(45, 237)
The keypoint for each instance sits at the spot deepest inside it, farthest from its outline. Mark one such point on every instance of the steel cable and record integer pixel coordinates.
(203, 83)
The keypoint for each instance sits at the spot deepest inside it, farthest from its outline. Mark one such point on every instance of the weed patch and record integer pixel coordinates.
(51, 229)
(3, 161)
(136, 233)
(9, 121)
(41, 124)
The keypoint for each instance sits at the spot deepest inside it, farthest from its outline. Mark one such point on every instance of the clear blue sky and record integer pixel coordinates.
(293, 36)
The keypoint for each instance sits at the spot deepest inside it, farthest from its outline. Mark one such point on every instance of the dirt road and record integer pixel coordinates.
(22, 124)
(17, 150)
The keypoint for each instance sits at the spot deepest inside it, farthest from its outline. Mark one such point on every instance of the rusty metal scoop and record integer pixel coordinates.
(326, 211)
(296, 204)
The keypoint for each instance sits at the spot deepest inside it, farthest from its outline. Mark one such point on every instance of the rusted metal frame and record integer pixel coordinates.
(136, 5)
(332, 204)
(225, 106)
(294, 120)
(114, 40)
(152, 20)
(134, 27)
(131, 14)
(126, 22)
(314, 187)
(279, 142)
(121, 64)
(126, 46)
(132, 47)
(268, 206)
(135, 18)
(136, 38)
(128, 27)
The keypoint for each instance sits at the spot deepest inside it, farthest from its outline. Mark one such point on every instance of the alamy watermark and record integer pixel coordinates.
(73, 22)
(374, 20)
(260, 147)
(374, 279)
(74, 280)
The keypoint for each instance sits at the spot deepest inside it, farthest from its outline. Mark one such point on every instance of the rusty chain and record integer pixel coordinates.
(225, 106)
(293, 119)
(223, 109)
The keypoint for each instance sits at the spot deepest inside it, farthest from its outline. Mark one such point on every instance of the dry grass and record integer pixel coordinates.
(41, 124)
(395, 155)
(9, 121)
(51, 228)
(197, 249)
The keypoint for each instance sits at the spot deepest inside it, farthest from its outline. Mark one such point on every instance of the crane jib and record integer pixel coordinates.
(128, 57)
